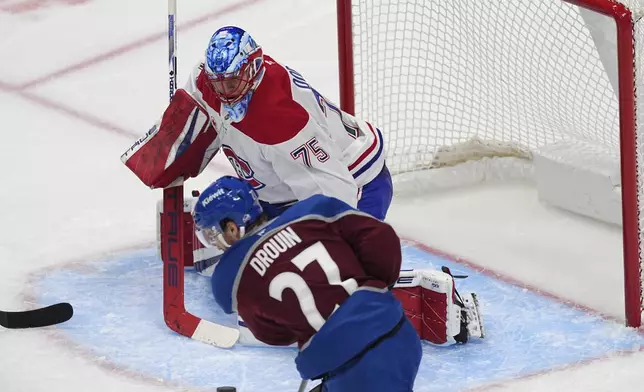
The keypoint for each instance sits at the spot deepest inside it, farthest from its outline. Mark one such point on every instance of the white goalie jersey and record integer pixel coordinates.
(293, 143)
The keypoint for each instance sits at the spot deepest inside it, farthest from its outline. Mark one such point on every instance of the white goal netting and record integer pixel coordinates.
(449, 81)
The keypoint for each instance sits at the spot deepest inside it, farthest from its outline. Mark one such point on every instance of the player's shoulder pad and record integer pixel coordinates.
(319, 205)
(273, 116)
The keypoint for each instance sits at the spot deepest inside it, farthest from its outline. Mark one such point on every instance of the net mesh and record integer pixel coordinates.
(436, 73)
(444, 78)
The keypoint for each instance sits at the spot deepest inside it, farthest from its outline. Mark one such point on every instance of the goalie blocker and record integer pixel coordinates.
(177, 147)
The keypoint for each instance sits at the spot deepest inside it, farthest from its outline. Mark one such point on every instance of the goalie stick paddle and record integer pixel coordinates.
(176, 316)
(43, 317)
(172, 244)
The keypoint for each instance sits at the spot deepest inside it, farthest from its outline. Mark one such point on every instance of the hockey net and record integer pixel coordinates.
(455, 81)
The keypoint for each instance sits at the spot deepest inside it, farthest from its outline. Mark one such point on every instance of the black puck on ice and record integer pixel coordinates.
(226, 389)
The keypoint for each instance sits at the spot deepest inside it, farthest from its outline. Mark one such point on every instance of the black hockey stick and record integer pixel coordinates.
(43, 317)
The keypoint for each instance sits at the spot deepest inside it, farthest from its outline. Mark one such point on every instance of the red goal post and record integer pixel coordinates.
(450, 81)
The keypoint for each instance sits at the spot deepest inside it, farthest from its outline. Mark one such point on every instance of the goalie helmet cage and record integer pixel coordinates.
(513, 76)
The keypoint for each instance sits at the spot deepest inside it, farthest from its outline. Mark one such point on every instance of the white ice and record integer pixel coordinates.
(65, 195)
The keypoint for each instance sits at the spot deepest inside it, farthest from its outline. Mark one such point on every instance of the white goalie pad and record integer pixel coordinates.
(435, 309)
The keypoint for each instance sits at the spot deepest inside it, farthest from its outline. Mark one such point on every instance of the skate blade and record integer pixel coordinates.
(479, 317)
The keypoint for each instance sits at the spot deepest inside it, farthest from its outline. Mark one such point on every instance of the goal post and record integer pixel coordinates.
(455, 81)
(626, 70)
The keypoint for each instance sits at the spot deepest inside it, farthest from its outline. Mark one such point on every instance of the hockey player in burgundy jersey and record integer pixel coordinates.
(317, 275)
(281, 135)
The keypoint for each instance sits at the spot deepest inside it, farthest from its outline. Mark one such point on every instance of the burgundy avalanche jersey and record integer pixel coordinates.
(293, 143)
(286, 280)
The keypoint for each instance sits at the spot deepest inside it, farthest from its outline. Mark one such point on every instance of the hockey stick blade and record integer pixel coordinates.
(204, 331)
(215, 334)
(43, 317)
(191, 326)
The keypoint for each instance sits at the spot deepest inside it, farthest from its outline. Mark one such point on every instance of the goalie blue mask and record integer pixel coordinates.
(237, 111)
(234, 66)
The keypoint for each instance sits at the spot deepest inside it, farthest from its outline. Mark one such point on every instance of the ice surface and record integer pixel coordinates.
(118, 318)
(67, 201)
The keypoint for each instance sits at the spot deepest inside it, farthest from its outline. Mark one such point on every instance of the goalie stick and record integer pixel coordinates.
(172, 243)
(35, 318)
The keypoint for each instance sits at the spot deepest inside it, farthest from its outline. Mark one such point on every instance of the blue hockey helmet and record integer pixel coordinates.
(228, 198)
(234, 64)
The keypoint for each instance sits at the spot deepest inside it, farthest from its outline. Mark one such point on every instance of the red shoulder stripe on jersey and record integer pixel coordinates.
(366, 153)
(273, 116)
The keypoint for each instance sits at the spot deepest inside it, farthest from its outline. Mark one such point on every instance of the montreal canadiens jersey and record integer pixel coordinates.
(317, 275)
(294, 143)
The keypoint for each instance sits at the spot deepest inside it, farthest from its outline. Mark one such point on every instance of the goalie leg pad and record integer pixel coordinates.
(435, 309)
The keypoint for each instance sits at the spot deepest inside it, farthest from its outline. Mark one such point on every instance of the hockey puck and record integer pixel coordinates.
(195, 193)
(226, 389)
